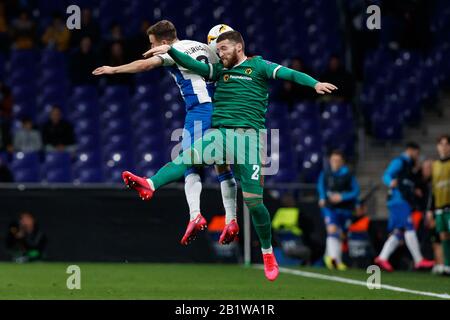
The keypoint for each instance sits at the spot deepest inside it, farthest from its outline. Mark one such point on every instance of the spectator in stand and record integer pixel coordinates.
(25, 241)
(23, 31)
(5, 173)
(27, 139)
(139, 43)
(115, 33)
(4, 37)
(5, 135)
(89, 28)
(6, 101)
(292, 93)
(337, 74)
(57, 35)
(83, 60)
(116, 58)
(57, 133)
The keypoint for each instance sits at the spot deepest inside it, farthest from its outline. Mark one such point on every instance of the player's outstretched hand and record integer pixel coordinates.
(103, 70)
(324, 87)
(157, 51)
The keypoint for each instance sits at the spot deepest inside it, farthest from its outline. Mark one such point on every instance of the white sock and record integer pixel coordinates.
(193, 189)
(389, 246)
(413, 245)
(334, 249)
(269, 250)
(229, 191)
(150, 182)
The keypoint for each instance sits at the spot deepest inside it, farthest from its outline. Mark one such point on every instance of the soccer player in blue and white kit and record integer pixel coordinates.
(197, 94)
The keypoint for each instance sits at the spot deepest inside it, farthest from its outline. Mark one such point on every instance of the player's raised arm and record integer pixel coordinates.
(184, 60)
(133, 67)
(304, 79)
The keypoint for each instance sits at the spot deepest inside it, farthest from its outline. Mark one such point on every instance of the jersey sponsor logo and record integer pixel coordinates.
(227, 77)
(248, 70)
(240, 77)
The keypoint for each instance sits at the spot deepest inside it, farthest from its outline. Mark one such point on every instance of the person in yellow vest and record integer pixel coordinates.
(439, 203)
(287, 231)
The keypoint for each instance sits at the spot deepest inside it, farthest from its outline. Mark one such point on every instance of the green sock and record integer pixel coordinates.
(169, 173)
(446, 249)
(261, 221)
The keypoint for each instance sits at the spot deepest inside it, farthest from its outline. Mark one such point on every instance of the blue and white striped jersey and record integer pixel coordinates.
(194, 88)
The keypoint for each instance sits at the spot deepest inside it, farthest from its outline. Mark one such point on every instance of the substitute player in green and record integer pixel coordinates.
(238, 122)
(440, 197)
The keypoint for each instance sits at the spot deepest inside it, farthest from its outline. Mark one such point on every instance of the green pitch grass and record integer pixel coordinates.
(199, 281)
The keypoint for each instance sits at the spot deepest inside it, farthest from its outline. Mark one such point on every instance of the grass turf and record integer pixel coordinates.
(198, 281)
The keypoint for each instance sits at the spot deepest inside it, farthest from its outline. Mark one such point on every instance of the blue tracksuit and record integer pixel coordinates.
(338, 214)
(399, 208)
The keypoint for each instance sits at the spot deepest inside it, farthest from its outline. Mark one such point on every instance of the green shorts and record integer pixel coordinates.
(442, 217)
(241, 148)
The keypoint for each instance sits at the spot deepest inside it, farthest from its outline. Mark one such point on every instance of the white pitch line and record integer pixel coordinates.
(307, 274)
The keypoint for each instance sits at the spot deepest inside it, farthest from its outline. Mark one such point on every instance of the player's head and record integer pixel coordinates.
(413, 150)
(337, 160)
(230, 47)
(162, 32)
(27, 221)
(443, 146)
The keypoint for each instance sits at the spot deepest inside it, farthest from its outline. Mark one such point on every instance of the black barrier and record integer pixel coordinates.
(111, 224)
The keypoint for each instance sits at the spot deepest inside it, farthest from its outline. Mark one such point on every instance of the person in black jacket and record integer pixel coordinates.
(58, 133)
(25, 241)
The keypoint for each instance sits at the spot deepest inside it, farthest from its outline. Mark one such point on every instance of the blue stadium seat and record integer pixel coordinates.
(116, 94)
(86, 126)
(88, 175)
(59, 175)
(26, 167)
(84, 92)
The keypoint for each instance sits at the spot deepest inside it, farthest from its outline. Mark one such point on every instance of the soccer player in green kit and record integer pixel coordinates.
(240, 104)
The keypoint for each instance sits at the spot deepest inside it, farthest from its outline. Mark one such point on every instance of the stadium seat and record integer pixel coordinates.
(88, 175)
(26, 167)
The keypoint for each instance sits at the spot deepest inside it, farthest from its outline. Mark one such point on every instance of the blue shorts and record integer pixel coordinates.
(197, 118)
(339, 217)
(399, 216)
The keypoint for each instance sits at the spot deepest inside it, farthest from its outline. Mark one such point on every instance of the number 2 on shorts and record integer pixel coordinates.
(255, 175)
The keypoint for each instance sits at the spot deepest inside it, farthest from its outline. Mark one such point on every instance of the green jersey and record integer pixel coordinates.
(242, 93)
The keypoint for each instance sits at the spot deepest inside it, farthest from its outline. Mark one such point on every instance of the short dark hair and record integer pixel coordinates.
(443, 137)
(233, 35)
(163, 30)
(412, 145)
(337, 152)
